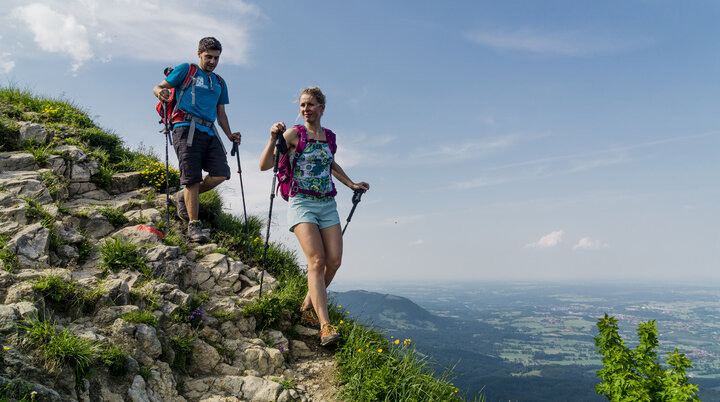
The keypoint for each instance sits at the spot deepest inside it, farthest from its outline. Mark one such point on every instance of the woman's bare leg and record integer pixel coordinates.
(333, 247)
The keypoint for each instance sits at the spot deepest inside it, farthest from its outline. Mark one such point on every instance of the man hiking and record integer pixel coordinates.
(196, 141)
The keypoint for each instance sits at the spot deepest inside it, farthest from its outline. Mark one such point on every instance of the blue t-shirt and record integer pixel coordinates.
(208, 94)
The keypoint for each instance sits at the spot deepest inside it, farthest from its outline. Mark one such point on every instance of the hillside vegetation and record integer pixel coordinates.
(98, 304)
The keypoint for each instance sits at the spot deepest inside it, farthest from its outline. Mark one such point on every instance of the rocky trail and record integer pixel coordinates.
(59, 234)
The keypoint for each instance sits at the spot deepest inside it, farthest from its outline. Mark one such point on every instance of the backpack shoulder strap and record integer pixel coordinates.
(302, 140)
(191, 73)
(331, 140)
(220, 79)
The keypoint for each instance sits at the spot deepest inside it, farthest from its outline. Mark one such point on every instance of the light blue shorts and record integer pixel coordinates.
(322, 213)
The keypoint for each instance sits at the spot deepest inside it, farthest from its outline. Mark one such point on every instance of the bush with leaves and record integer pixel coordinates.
(636, 375)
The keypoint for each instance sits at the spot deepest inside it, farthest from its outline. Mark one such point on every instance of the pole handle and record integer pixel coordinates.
(234, 149)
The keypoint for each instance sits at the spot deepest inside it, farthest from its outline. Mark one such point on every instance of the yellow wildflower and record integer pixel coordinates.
(397, 341)
(379, 350)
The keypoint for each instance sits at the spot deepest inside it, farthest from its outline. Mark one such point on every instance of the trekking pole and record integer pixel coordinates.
(355, 200)
(280, 148)
(168, 139)
(236, 153)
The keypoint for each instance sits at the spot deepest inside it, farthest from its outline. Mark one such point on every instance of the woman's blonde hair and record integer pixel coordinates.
(315, 92)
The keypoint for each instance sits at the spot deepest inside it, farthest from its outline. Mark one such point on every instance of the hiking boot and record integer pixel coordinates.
(308, 318)
(178, 199)
(196, 233)
(329, 335)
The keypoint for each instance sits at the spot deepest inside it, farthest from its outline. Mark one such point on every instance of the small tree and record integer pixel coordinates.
(636, 375)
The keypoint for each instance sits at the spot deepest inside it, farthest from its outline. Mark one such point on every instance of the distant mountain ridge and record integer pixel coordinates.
(386, 310)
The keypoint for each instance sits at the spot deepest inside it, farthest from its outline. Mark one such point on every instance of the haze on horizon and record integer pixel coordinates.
(503, 141)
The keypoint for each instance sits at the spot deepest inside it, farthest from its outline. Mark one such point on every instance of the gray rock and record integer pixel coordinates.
(275, 339)
(299, 350)
(58, 165)
(35, 132)
(8, 316)
(108, 315)
(97, 227)
(31, 245)
(19, 292)
(68, 234)
(148, 345)
(204, 357)
(125, 182)
(80, 188)
(16, 161)
(137, 235)
(161, 385)
(145, 215)
(25, 185)
(137, 391)
(259, 389)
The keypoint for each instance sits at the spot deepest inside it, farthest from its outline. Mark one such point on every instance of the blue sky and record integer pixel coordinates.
(555, 140)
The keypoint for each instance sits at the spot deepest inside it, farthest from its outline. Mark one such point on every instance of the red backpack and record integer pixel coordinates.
(287, 186)
(171, 114)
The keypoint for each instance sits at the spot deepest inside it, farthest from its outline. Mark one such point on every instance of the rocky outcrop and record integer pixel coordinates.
(173, 354)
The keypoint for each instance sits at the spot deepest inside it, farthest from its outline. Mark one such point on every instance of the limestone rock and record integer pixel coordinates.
(204, 357)
(15, 161)
(124, 182)
(34, 132)
(137, 235)
(31, 245)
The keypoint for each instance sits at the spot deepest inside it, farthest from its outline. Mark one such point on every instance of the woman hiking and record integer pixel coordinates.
(312, 212)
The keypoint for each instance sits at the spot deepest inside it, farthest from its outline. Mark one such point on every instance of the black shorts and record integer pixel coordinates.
(206, 153)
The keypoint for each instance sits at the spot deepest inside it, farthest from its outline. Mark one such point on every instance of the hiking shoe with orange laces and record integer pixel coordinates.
(329, 335)
(310, 319)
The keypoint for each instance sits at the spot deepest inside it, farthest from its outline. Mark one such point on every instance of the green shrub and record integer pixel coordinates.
(54, 184)
(114, 216)
(36, 211)
(283, 302)
(183, 347)
(117, 254)
(142, 317)
(177, 240)
(59, 348)
(7, 257)
(115, 359)
(9, 135)
(66, 294)
(636, 375)
(39, 151)
(191, 313)
(16, 390)
(145, 373)
(210, 207)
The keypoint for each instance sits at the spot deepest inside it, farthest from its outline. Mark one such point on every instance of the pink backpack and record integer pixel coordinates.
(287, 186)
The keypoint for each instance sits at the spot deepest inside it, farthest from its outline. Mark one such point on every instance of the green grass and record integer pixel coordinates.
(118, 254)
(59, 348)
(115, 217)
(115, 359)
(142, 317)
(183, 347)
(68, 294)
(7, 257)
(374, 369)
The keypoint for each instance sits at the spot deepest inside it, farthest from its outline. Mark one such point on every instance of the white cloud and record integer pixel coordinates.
(587, 243)
(55, 32)
(468, 150)
(549, 240)
(147, 30)
(419, 242)
(570, 43)
(6, 64)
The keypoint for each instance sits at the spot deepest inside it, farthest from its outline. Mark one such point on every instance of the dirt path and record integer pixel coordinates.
(316, 373)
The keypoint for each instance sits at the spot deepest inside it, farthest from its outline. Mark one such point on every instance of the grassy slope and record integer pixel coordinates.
(370, 367)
